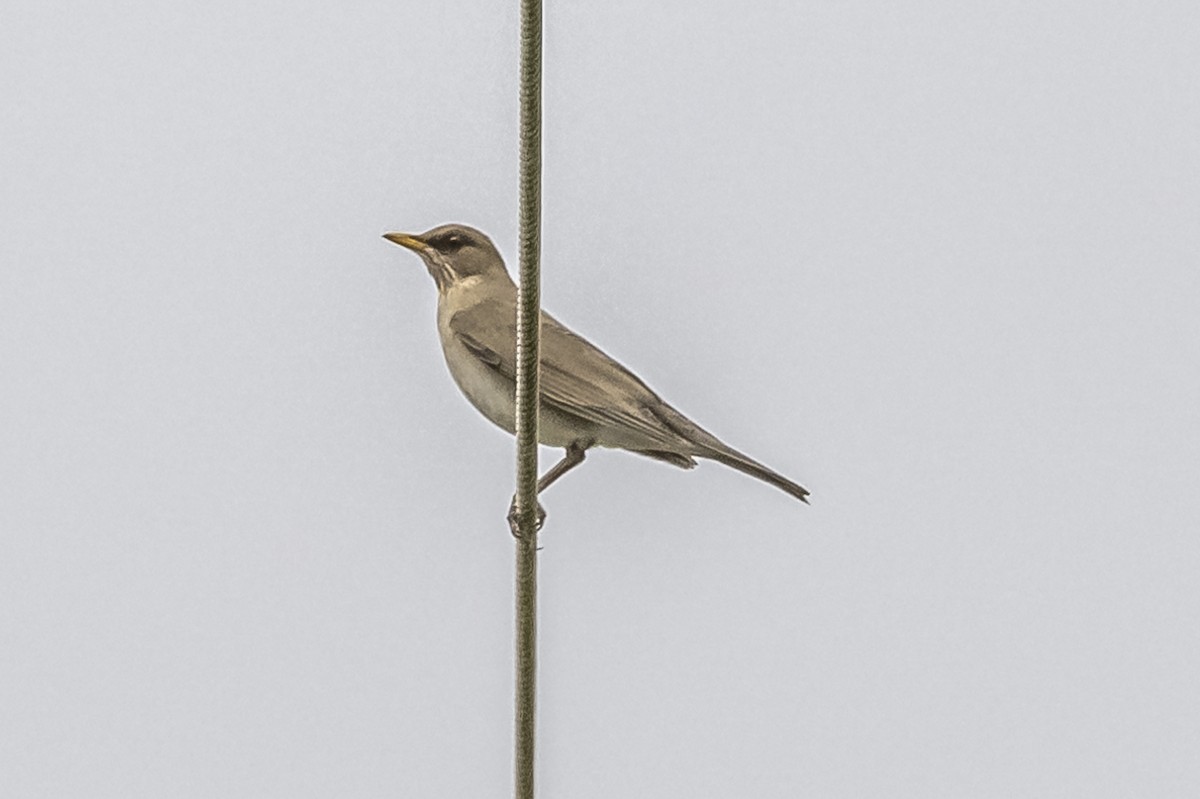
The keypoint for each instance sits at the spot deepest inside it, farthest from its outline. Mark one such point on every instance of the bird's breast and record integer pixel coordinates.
(488, 390)
(492, 393)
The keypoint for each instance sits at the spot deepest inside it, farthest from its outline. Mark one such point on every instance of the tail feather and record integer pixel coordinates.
(736, 460)
(709, 446)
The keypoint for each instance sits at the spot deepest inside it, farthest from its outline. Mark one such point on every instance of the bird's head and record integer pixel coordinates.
(453, 253)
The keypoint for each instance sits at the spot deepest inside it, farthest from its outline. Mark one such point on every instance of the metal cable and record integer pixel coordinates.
(528, 358)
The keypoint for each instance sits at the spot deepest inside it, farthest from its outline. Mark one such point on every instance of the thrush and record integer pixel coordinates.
(586, 400)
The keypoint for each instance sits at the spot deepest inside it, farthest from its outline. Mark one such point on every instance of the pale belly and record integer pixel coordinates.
(492, 394)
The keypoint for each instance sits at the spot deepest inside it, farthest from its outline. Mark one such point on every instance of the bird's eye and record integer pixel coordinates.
(454, 241)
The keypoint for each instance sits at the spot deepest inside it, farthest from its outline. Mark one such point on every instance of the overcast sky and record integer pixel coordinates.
(936, 261)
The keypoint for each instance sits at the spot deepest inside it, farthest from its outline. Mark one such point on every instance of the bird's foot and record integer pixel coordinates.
(514, 521)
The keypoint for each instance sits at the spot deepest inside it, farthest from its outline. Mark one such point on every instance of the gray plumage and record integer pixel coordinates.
(587, 398)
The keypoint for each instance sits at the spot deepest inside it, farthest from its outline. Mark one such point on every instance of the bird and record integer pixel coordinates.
(587, 399)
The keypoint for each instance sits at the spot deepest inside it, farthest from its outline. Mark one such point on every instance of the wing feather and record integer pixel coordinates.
(577, 379)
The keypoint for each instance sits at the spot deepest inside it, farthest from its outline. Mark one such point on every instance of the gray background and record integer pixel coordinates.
(937, 261)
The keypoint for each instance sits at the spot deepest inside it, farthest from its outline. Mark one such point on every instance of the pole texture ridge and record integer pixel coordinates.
(528, 358)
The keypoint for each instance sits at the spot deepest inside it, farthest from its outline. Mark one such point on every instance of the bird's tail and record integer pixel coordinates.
(709, 446)
(736, 460)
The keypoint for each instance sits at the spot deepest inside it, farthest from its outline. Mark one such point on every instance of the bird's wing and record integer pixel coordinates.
(577, 378)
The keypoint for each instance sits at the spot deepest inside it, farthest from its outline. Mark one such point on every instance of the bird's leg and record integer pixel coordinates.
(576, 452)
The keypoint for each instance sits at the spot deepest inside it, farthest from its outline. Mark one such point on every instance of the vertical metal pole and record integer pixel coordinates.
(528, 328)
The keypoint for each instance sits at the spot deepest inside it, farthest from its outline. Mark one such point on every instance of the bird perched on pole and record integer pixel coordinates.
(587, 399)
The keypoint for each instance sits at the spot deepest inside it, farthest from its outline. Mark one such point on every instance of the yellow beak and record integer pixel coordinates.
(405, 240)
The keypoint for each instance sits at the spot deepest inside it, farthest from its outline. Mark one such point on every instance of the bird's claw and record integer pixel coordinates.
(514, 521)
